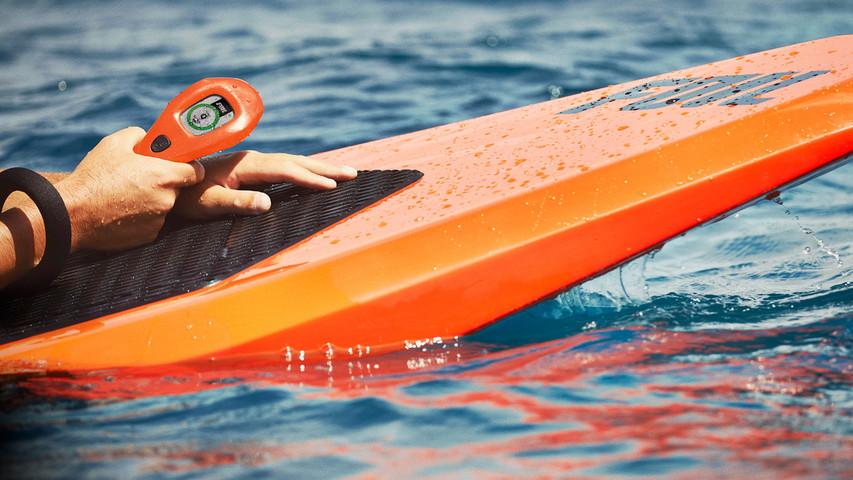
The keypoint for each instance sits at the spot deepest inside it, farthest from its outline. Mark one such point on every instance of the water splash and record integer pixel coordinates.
(810, 232)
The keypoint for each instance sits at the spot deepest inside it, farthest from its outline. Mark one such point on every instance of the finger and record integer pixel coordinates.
(326, 169)
(306, 178)
(219, 200)
(275, 168)
(277, 163)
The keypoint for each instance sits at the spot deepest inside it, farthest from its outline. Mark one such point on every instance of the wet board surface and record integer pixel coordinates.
(513, 207)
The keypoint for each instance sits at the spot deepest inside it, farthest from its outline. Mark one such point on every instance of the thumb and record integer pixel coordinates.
(181, 174)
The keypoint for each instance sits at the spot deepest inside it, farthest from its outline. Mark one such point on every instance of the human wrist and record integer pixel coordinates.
(73, 195)
(22, 236)
(30, 217)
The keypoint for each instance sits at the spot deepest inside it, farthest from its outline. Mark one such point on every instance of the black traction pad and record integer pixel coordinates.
(190, 255)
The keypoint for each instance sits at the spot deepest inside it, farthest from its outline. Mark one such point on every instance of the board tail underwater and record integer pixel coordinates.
(449, 229)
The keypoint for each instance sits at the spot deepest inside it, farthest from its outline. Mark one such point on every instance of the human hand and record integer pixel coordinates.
(118, 199)
(219, 193)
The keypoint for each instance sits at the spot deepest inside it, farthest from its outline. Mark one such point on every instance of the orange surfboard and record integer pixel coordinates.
(511, 208)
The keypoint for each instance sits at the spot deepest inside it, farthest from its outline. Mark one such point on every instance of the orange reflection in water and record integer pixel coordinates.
(636, 401)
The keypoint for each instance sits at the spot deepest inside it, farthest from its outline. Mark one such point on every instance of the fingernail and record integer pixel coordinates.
(350, 171)
(262, 203)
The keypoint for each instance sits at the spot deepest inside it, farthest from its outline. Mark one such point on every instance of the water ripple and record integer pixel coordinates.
(727, 353)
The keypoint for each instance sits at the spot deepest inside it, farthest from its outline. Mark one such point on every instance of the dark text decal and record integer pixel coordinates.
(695, 92)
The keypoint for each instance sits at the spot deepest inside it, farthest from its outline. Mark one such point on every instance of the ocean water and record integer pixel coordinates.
(726, 354)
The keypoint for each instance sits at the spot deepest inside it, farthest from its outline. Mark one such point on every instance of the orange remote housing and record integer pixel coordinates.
(211, 115)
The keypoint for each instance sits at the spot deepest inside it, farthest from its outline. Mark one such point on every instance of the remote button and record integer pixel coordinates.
(160, 143)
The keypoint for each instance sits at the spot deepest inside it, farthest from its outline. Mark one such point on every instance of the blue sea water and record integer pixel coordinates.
(726, 354)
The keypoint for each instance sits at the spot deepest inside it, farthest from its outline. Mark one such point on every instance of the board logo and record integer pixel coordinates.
(694, 92)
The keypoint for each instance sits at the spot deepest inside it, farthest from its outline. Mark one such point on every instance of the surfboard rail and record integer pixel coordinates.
(513, 207)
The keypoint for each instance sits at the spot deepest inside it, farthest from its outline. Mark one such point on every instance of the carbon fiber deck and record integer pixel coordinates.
(189, 255)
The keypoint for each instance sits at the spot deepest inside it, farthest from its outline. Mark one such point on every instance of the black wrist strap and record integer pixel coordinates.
(57, 226)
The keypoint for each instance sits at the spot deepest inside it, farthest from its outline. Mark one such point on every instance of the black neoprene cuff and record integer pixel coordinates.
(57, 226)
